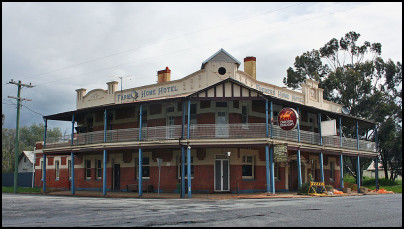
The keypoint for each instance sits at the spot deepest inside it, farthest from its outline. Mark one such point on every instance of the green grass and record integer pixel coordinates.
(370, 183)
(21, 190)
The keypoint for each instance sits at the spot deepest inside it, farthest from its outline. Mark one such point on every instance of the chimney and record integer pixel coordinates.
(112, 87)
(164, 75)
(249, 66)
(80, 94)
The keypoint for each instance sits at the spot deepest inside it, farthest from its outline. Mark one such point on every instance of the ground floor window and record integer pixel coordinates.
(98, 169)
(248, 167)
(145, 168)
(186, 168)
(276, 171)
(88, 169)
(69, 168)
(314, 169)
(42, 170)
(332, 170)
(57, 170)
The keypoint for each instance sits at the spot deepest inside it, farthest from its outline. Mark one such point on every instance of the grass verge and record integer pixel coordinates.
(21, 190)
(370, 183)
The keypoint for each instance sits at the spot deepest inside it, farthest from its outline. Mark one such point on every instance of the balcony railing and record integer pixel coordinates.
(208, 131)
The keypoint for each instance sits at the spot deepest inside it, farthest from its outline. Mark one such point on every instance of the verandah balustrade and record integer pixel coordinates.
(207, 131)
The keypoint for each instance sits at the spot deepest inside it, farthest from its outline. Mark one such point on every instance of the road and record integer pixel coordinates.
(26, 210)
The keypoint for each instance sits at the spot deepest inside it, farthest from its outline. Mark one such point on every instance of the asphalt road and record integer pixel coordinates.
(25, 210)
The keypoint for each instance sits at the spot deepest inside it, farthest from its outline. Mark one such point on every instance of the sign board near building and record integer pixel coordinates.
(288, 119)
(280, 153)
(329, 128)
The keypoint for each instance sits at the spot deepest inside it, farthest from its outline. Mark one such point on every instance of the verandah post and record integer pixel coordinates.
(44, 157)
(140, 152)
(189, 151)
(376, 162)
(183, 154)
(299, 167)
(104, 177)
(268, 183)
(72, 159)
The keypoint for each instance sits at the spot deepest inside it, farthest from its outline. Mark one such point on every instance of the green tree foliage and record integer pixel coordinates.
(356, 77)
(28, 137)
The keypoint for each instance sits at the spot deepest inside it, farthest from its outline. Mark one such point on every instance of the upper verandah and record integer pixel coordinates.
(216, 68)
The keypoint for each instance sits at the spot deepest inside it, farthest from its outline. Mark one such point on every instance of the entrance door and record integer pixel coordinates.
(222, 175)
(222, 127)
(117, 176)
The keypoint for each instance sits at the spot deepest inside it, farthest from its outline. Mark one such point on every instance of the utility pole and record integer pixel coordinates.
(17, 142)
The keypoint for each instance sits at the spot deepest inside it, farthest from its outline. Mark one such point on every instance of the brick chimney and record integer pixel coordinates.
(250, 67)
(164, 75)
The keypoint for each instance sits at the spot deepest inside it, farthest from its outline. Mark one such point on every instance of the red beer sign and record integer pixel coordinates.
(288, 118)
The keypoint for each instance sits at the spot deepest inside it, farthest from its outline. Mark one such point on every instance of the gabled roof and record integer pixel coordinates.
(221, 56)
(28, 154)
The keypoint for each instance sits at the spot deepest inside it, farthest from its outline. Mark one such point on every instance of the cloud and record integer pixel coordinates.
(61, 47)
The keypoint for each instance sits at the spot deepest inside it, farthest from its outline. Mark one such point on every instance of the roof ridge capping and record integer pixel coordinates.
(234, 60)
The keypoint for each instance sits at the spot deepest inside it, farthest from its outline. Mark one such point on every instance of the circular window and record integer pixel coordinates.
(222, 71)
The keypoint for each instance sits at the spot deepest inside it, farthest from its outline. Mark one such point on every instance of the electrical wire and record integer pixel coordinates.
(197, 46)
(152, 44)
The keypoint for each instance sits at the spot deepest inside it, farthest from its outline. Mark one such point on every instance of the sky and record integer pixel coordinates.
(61, 47)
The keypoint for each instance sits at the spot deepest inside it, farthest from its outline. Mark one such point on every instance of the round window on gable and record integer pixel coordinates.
(222, 71)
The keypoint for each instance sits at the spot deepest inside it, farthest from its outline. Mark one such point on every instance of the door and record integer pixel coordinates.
(222, 175)
(222, 127)
(117, 177)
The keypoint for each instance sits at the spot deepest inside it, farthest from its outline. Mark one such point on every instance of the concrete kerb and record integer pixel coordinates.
(214, 196)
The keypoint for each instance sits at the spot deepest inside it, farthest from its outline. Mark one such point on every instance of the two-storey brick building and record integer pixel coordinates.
(219, 123)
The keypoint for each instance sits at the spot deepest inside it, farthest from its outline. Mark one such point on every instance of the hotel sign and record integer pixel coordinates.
(135, 95)
(288, 119)
(280, 153)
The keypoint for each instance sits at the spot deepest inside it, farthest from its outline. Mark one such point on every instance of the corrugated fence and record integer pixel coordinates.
(23, 179)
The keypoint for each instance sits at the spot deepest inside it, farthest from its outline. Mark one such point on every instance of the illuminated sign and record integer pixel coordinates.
(288, 119)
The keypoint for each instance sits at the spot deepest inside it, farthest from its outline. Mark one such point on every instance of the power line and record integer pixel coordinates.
(229, 38)
(170, 39)
(17, 140)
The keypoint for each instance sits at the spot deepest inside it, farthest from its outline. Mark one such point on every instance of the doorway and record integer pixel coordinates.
(222, 175)
(117, 176)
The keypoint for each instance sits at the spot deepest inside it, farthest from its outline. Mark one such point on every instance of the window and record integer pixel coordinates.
(314, 169)
(276, 171)
(221, 104)
(222, 71)
(42, 170)
(248, 167)
(145, 168)
(25, 159)
(98, 171)
(244, 116)
(186, 168)
(332, 172)
(193, 114)
(57, 170)
(88, 169)
(169, 109)
(69, 168)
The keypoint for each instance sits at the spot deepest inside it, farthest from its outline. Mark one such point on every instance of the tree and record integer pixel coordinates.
(28, 137)
(356, 77)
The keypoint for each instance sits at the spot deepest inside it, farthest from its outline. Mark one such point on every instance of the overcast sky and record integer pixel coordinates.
(60, 47)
